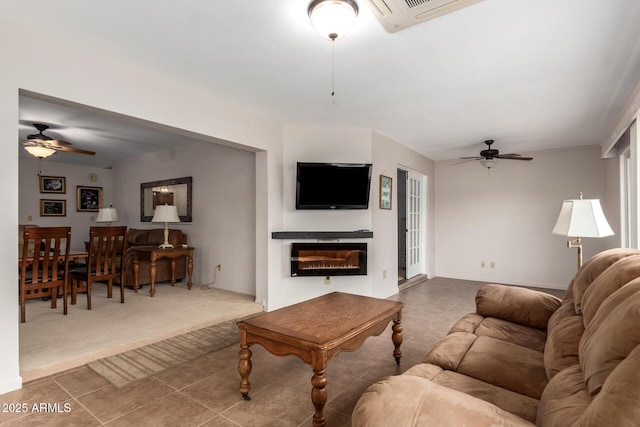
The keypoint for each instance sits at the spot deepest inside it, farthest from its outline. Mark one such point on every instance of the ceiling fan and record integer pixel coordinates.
(41, 146)
(488, 157)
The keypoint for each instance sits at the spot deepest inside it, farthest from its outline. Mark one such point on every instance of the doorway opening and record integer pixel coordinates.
(412, 220)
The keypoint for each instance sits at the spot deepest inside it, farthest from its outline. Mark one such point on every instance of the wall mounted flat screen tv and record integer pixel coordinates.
(333, 185)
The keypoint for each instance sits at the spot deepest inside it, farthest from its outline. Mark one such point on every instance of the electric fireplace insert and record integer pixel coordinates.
(328, 259)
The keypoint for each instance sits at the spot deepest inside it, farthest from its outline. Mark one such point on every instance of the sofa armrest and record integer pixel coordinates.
(407, 400)
(519, 305)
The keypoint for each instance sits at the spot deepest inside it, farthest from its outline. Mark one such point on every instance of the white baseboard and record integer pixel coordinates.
(557, 286)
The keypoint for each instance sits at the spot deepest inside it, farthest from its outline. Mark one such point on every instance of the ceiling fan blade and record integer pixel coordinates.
(75, 150)
(470, 158)
(513, 157)
(465, 160)
(58, 143)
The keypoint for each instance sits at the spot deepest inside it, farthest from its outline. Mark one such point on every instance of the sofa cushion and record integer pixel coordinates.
(561, 348)
(567, 309)
(617, 402)
(515, 403)
(449, 351)
(610, 336)
(467, 323)
(519, 305)
(407, 400)
(612, 279)
(564, 400)
(595, 266)
(505, 365)
(512, 332)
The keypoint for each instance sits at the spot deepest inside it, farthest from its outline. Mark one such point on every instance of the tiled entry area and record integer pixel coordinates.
(204, 392)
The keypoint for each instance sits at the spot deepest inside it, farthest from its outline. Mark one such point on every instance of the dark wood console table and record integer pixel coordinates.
(154, 253)
(315, 331)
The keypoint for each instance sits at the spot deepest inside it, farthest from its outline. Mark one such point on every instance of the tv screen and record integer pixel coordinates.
(333, 185)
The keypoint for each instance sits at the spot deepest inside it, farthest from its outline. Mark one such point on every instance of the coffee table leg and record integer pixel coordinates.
(319, 396)
(396, 337)
(244, 367)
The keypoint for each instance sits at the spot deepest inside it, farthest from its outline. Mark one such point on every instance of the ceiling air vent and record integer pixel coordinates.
(396, 15)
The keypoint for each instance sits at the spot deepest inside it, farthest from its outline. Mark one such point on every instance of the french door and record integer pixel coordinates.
(416, 224)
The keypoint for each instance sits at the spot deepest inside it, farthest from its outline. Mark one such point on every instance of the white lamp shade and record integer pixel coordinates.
(333, 19)
(107, 215)
(582, 218)
(166, 213)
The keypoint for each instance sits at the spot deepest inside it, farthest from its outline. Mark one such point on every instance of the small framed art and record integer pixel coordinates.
(50, 207)
(385, 192)
(53, 184)
(88, 199)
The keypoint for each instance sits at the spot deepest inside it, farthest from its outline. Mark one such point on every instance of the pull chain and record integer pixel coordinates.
(333, 66)
(333, 37)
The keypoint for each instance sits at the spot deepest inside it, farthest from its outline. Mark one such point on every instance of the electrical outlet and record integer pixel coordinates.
(29, 218)
(493, 264)
(384, 274)
(482, 264)
(327, 280)
(219, 267)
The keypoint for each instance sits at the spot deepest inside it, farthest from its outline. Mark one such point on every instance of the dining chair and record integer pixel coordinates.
(44, 271)
(105, 259)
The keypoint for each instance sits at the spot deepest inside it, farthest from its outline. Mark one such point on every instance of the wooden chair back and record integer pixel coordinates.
(44, 265)
(107, 246)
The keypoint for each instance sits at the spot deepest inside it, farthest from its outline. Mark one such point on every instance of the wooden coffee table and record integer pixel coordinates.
(315, 331)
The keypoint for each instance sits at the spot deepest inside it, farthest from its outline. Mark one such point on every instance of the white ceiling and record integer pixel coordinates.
(531, 74)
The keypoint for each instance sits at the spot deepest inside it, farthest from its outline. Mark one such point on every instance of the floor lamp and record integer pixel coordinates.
(581, 218)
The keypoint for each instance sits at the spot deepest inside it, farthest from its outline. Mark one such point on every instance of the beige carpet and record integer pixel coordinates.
(122, 369)
(51, 342)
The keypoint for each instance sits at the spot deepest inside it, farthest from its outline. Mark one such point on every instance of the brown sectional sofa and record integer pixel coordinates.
(153, 237)
(528, 358)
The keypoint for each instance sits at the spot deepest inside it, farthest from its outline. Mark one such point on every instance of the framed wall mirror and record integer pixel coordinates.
(169, 191)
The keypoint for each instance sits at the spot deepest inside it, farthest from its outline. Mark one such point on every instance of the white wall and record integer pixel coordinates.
(96, 81)
(506, 216)
(315, 144)
(223, 230)
(29, 204)
(9, 369)
(388, 155)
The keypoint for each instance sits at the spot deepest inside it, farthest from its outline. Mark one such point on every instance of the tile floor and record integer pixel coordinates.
(204, 392)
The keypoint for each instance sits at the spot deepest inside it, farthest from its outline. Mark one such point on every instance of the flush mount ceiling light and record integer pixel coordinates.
(333, 19)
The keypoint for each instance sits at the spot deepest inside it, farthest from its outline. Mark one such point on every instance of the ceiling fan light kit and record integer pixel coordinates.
(489, 157)
(42, 146)
(40, 151)
(333, 19)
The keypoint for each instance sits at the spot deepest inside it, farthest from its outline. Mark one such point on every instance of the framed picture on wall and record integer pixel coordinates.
(50, 207)
(88, 199)
(385, 192)
(53, 184)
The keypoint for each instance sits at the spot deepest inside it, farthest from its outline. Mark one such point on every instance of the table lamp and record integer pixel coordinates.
(581, 218)
(166, 214)
(107, 215)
